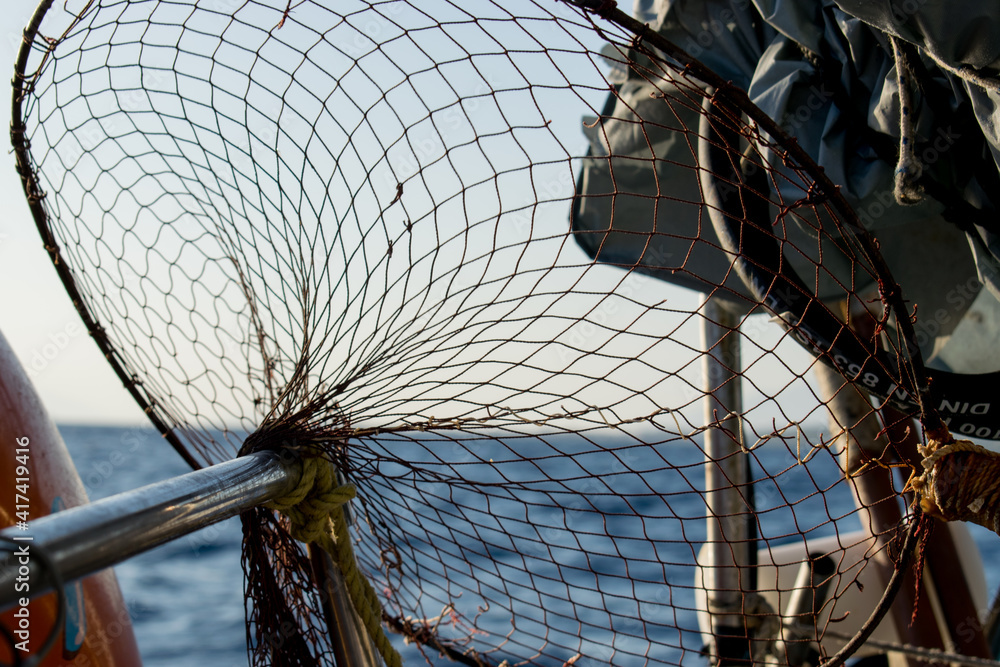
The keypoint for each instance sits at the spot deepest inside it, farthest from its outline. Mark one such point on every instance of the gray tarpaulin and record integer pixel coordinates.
(826, 72)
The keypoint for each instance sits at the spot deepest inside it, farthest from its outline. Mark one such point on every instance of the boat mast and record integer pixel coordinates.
(730, 534)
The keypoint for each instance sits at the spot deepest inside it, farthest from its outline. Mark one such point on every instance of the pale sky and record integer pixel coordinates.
(36, 316)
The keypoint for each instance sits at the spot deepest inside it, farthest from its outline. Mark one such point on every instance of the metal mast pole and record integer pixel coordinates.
(728, 568)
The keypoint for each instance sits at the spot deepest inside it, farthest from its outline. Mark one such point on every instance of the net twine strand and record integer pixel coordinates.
(315, 510)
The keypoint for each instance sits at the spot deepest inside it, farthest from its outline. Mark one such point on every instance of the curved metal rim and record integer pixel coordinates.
(22, 85)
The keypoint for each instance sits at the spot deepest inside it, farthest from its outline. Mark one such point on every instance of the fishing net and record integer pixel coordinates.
(619, 374)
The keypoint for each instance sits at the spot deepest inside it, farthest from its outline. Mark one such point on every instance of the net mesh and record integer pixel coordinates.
(476, 254)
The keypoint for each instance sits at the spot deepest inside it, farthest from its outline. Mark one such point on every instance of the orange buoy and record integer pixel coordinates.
(37, 477)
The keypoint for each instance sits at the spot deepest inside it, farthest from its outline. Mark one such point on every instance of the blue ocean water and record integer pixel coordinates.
(186, 597)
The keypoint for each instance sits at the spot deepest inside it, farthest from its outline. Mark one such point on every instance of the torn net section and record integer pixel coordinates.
(461, 250)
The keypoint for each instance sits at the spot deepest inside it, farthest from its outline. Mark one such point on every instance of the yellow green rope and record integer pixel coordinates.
(315, 510)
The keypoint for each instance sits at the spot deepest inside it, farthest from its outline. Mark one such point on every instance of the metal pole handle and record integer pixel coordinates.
(89, 538)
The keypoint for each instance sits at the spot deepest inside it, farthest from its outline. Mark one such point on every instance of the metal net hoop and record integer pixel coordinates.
(407, 238)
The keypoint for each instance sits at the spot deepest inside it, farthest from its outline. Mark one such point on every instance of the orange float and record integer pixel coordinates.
(37, 477)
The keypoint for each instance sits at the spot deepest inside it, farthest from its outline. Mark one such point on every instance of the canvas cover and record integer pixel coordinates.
(826, 72)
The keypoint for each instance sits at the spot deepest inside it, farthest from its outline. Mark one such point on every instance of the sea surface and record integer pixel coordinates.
(186, 597)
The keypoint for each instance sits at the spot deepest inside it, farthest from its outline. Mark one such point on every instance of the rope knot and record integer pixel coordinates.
(960, 481)
(315, 511)
(311, 504)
